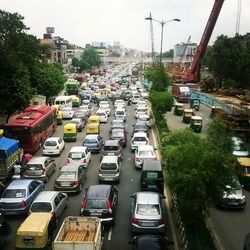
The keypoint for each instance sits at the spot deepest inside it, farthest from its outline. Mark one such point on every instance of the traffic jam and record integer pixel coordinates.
(71, 164)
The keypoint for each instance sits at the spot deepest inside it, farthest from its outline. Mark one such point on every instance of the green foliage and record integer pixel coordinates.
(48, 79)
(194, 165)
(168, 54)
(158, 76)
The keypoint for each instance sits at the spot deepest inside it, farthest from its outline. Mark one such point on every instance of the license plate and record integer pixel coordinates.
(96, 214)
(233, 203)
(108, 179)
(65, 184)
(147, 224)
(152, 186)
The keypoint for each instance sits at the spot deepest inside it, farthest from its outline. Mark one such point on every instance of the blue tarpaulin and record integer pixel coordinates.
(8, 146)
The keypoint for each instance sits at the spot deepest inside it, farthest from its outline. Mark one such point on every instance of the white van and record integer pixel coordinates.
(63, 101)
(79, 154)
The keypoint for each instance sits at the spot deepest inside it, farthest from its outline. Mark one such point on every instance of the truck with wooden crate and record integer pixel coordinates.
(79, 233)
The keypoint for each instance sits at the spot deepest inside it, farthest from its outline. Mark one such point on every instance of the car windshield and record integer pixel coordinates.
(146, 153)
(34, 167)
(140, 139)
(90, 141)
(96, 204)
(68, 174)
(117, 122)
(140, 127)
(108, 166)
(111, 148)
(148, 209)
(41, 207)
(14, 193)
(50, 143)
(119, 112)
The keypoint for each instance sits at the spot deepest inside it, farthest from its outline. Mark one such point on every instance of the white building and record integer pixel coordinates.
(184, 52)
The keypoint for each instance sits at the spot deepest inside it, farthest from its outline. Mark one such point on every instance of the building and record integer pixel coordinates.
(184, 52)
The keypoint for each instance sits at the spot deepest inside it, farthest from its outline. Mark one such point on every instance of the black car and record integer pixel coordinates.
(100, 201)
(150, 242)
(141, 127)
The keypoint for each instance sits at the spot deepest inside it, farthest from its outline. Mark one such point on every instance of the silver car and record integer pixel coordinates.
(147, 215)
(40, 167)
(52, 202)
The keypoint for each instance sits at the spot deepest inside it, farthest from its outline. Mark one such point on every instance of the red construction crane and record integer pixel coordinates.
(193, 75)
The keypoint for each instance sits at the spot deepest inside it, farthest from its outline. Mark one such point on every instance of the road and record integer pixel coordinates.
(119, 235)
(229, 225)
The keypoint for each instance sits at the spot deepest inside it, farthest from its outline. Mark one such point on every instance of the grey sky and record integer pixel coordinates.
(82, 21)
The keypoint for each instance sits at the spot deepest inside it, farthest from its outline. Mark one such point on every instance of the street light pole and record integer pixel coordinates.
(162, 26)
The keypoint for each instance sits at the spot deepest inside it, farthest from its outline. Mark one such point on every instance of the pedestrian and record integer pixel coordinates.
(18, 169)
(26, 158)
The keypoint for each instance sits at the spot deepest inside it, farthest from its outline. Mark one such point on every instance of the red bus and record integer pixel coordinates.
(32, 127)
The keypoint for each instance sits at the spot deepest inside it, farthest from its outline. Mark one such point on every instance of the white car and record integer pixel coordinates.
(53, 146)
(68, 113)
(144, 95)
(141, 111)
(120, 114)
(139, 138)
(141, 104)
(144, 118)
(103, 115)
(239, 147)
(120, 103)
(144, 152)
(106, 108)
(103, 103)
(135, 98)
(79, 154)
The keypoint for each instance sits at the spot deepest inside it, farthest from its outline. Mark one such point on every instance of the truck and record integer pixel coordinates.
(182, 91)
(10, 154)
(79, 233)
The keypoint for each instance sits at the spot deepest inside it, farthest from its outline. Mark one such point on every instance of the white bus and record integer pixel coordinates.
(64, 101)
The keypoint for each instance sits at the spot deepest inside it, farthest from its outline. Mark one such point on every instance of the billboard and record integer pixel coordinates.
(50, 30)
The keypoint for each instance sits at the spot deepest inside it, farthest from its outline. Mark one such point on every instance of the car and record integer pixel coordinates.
(112, 147)
(120, 135)
(100, 201)
(110, 169)
(40, 167)
(53, 146)
(233, 196)
(147, 214)
(80, 123)
(52, 202)
(135, 98)
(93, 142)
(79, 154)
(144, 152)
(80, 114)
(106, 108)
(71, 178)
(120, 114)
(103, 115)
(68, 113)
(140, 111)
(141, 127)
(150, 242)
(85, 110)
(146, 119)
(118, 126)
(139, 138)
(239, 147)
(144, 94)
(141, 104)
(86, 102)
(117, 121)
(119, 103)
(18, 196)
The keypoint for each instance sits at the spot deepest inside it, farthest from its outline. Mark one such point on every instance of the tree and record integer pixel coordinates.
(48, 79)
(158, 76)
(197, 172)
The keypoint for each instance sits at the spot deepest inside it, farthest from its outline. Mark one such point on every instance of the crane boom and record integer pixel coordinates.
(194, 74)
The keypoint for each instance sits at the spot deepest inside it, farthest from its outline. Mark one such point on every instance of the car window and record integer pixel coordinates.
(50, 143)
(90, 141)
(111, 148)
(57, 201)
(148, 209)
(14, 193)
(96, 204)
(75, 156)
(41, 207)
(108, 166)
(34, 167)
(140, 139)
(61, 196)
(34, 184)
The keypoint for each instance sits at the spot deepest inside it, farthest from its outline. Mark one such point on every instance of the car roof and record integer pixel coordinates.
(91, 136)
(147, 197)
(71, 166)
(150, 164)
(109, 159)
(53, 138)
(98, 191)
(37, 159)
(111, 143)
(77, 149)
(46, 196)
(145, 147)
(22, 183)
(137, 134)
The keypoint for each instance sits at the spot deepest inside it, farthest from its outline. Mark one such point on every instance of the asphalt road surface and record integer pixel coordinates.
(119, 235)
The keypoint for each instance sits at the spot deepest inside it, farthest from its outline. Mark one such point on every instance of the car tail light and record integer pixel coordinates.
(134, 221)
(161, 222)
(76, 182)
(84, 202)
(23, 204)
(137, 159)
(53, 213)
(109, 206)
(84, 161)
(68, 161)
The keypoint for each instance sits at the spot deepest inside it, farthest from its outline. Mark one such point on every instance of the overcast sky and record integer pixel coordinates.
(82, 21)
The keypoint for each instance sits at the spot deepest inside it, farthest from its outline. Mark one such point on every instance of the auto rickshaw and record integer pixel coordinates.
(243, 169)
(196, 124)
(194, 104)
(187, 114)
(59, 115)
(93, 128)
(178, 108)
(36, 232)
(94, 119)
(70, 132)
(75, 101)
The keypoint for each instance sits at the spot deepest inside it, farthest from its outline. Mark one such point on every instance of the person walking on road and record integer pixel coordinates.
(26, 158)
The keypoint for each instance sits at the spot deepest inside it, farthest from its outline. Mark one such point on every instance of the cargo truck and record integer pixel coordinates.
(182, 91)
(10, 153)
(79, 233)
